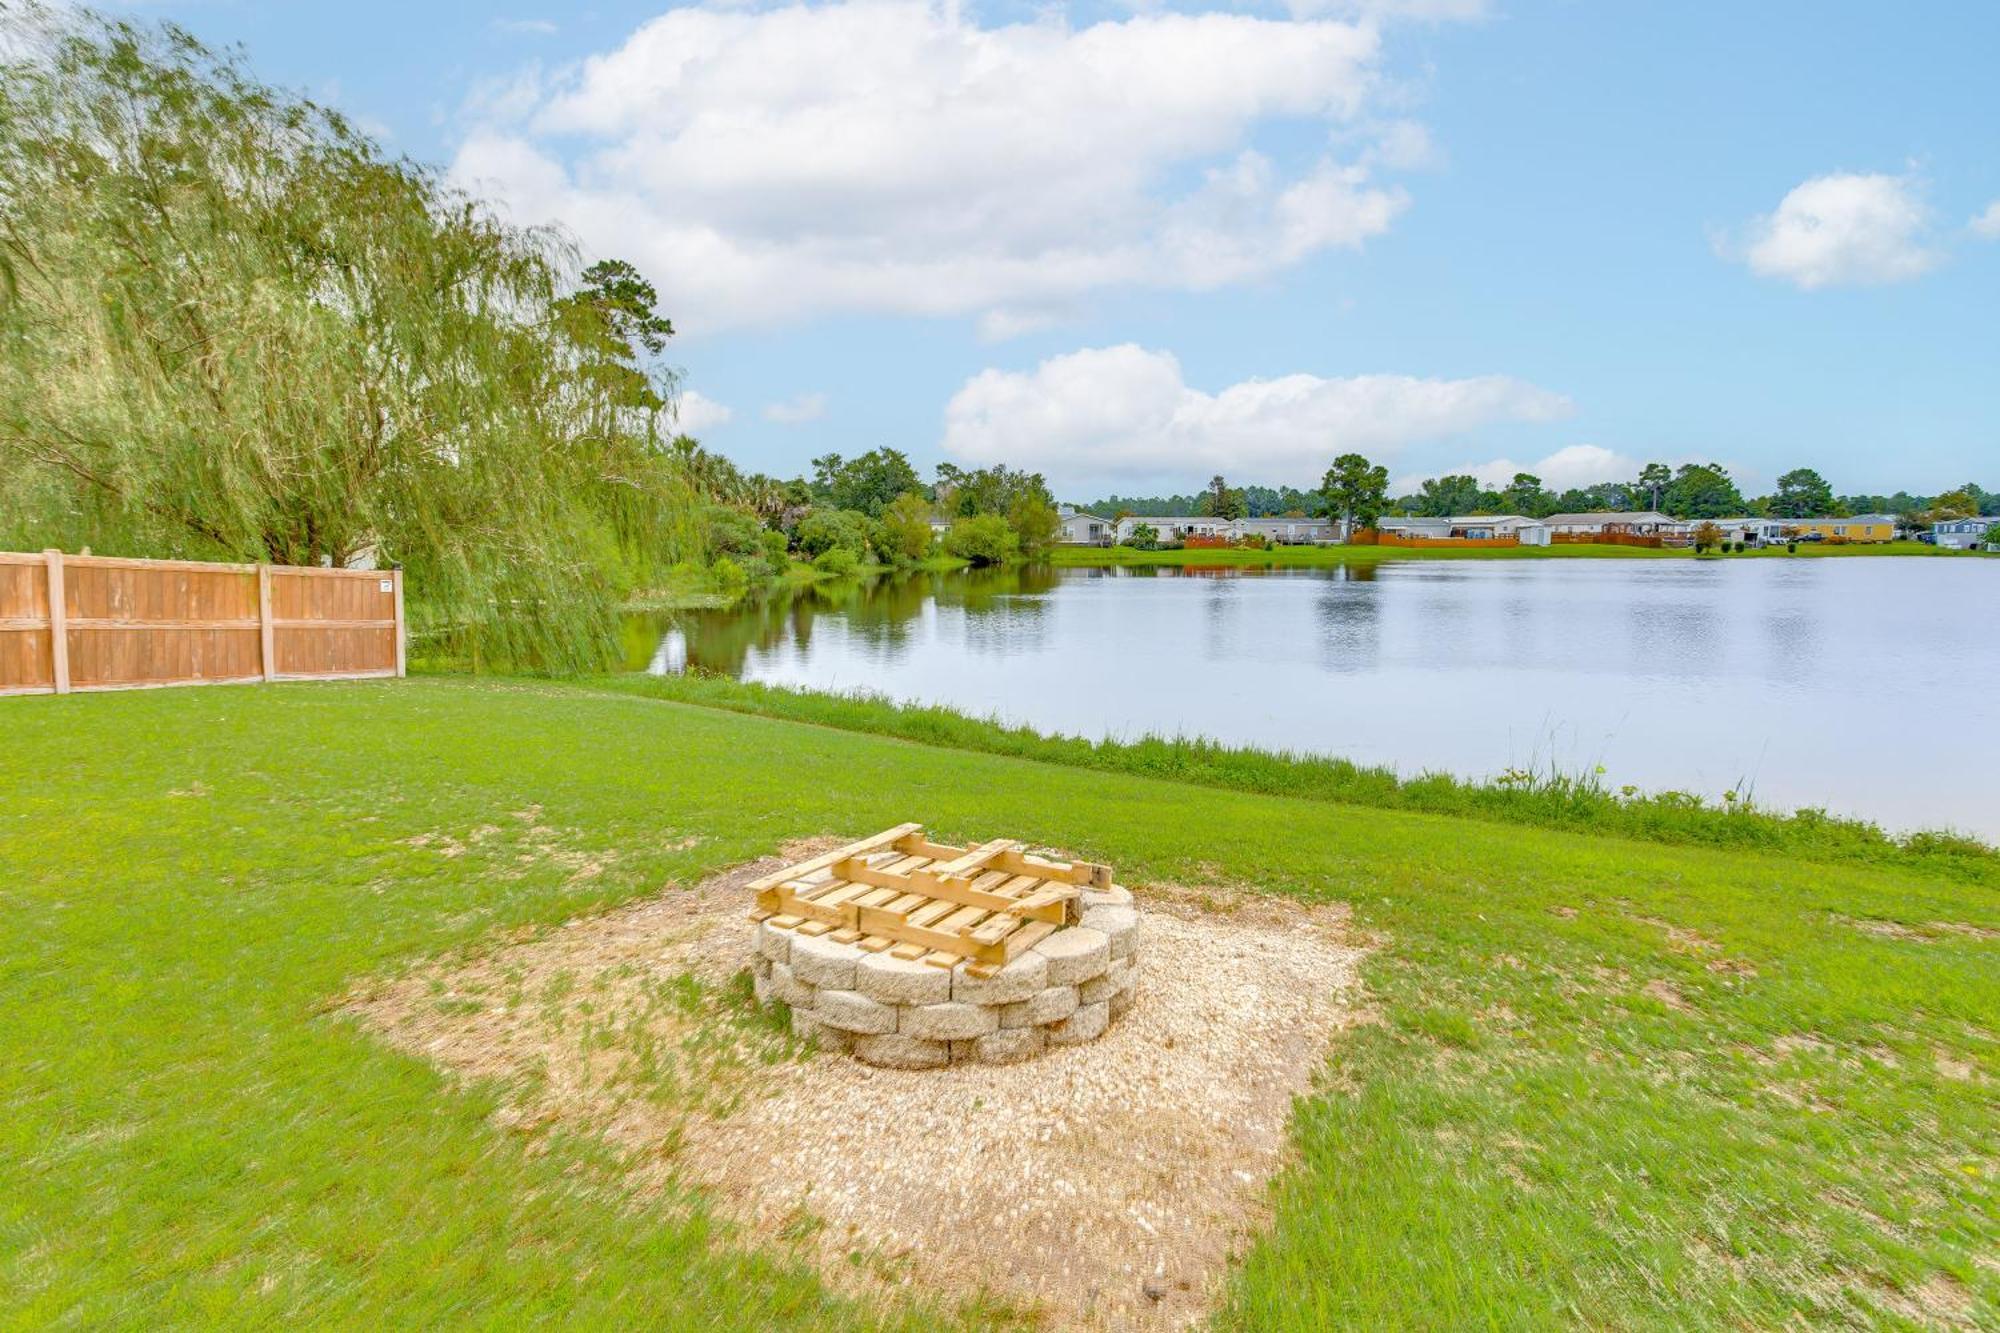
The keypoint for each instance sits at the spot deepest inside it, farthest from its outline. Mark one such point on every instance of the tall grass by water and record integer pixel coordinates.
(1547, 797)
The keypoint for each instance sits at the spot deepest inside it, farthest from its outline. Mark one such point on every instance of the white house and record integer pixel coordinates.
(1175, 527)
(1752, 530)
(1415, 527)
(1642, 523)
(1528, 531)
(1289, 531)
(1965, 534)
(1079, 528)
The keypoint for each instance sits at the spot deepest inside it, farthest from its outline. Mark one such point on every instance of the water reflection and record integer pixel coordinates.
(1350, 637)
(876, 616)
(1794, 677)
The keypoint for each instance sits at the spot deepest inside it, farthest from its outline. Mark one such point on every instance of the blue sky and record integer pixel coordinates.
(1131, 247)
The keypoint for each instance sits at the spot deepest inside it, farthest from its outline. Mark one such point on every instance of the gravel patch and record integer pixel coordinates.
(1104, 1184)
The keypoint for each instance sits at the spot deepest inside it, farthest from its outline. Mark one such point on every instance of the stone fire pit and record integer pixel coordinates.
(913, 954)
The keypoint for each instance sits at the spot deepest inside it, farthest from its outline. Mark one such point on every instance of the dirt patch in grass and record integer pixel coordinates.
(1927, 932)
(1097, 1186)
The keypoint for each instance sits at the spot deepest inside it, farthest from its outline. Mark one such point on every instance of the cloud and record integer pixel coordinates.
(1987, 225)
(696, 412)
(894, 156)
(1571, 466)
(1843, 230)
(1432, 11)
(797, 411)
(1125, 414)
(525, 27)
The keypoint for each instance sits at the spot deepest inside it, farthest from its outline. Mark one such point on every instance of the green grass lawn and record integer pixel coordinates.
(1615, 1083)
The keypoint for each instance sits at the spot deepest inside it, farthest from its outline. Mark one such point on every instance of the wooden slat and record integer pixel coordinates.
(1069, 872)
(938, 851)
(1026, 938)
(963, 920)
(58, 630)
(935, 910)
(977, 857)
(886, 838)
(996, 928)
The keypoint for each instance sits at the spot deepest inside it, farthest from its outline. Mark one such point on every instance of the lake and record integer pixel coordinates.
(1862, 686)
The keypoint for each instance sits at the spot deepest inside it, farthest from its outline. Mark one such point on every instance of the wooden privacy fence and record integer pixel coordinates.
(1374, 537)
(1609, 538)
(85, 622)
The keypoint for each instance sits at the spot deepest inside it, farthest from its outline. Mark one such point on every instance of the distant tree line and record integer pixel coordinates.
(1356, 489)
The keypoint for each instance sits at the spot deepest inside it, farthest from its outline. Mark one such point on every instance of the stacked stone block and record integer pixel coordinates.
(911, 1015)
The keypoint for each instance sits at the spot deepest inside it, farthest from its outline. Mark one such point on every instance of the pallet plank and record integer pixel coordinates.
(976, 857)
(886, 838)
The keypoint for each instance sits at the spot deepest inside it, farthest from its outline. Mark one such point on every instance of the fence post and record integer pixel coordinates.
(58, 622)
(267, 632)
(402, 633)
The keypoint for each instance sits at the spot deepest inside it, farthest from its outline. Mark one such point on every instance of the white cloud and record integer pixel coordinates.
(1572, 465)
(525, 27)
(1843, 230)
(891, 155)
(797, 411)
(1125, 414)
(1987, 225)
(1434, 11)
(696, 412)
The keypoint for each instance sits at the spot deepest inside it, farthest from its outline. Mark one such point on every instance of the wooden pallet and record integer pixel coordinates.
(918, 899)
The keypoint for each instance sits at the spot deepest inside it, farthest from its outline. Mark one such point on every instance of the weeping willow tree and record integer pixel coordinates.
(231, 328)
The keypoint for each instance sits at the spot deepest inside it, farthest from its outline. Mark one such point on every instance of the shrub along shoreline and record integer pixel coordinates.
(1543, 799)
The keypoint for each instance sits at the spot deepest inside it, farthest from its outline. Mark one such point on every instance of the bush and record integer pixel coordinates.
(776, 549)
(984, 540)
(1145, 537)
(730, 531)
(728, 576)
(906, 528)
(1035, 523)
(824, 530)
(838, 561)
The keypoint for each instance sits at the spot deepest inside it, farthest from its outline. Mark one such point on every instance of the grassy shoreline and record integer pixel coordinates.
(1544, 800)
(1315, 557)
(1602, 1082)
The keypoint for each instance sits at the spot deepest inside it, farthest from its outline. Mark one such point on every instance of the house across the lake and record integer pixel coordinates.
(1860, 528)
(1965, 534)
(1289, 531)
(1614, 523)
(1082, 528)
(1175, 528)
(1469, 527)
(1752, 530)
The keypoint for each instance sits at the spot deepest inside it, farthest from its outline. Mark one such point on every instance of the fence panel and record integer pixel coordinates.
(24, 625)
(98, 623)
